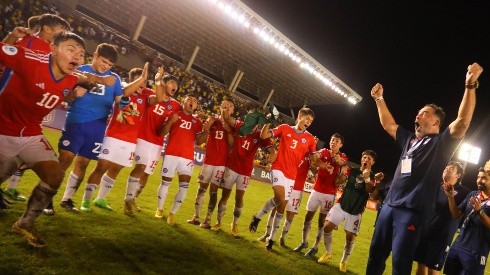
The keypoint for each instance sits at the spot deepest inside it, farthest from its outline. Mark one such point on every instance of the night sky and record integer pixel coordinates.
(419, 51)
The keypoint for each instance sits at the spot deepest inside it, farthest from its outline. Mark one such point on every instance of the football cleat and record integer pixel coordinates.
(129, 207)
(343, 267)
(85, 206)
(14, 194)
(269, 245)
(234, 230)
(194, 221)
(311, 253)
(159, 214)
(324, 258)
(301, 247)
(254, 224)
(171, 219)
(205, 224)
(216, 227)
(69, 205)
(31, 236)
(101, 203)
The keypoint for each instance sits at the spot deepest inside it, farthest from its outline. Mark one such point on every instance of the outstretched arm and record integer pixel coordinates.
(459, 126)
(385, 117)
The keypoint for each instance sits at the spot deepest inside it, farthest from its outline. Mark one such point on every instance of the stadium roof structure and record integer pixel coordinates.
(230, 37)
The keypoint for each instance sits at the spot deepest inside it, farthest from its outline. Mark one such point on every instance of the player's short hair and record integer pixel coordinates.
(53, 20)
(191, 95)
(229, 100)
(370, 153)
(459, 167)
(135, 72)
(34, 22)
(168, 77)
(64, 36)
(108, 51)
(482, 169)
(439, 112)
(306, 112)
(339, 136)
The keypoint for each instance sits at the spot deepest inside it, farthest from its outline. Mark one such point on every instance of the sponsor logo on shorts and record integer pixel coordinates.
(201, 177)
(9, 50)
(105, 151)
(275, 179)
(165, 170)
(65, 142)
(138, 157)
(48, 118)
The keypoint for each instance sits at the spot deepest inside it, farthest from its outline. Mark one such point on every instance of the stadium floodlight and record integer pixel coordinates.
(241, 18)
(221, 5)
(214, 1)
(256, 30)
(246, 24)
(228, 9)
(469, 153)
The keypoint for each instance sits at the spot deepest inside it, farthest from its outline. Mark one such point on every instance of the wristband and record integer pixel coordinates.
(473, 85)
(378, 99)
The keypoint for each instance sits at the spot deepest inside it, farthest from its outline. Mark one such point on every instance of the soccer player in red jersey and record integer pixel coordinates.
(149, 142)
(294, 202)
(183, 131)
(49, 25)
(295, 142)
(217, 150)
(324, 191)
(238, 169)
(41, 83)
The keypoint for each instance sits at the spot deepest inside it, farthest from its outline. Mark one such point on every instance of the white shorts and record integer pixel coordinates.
(317, 199)
(278, 179)
(172, 164)
(148, 154)
(231, 177)
(31, 150)
(294, 201)
(211, 174)
(117, 151)
(337, 215)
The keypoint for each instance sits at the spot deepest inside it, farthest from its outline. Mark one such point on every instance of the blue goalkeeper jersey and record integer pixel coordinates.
(97, 103)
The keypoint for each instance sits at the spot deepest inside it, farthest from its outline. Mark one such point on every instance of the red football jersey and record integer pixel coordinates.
(30, 93)
(182, 136)
(154, 118)
(242, 155)
(325, 182)
(293, 147)
(303, 168)
(217, 148)
(124, 131)
(34, 43)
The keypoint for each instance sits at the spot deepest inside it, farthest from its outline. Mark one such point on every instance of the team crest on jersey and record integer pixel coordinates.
(255, 140)
(169, 107)
(139, 100)
(193, 121)
(303, 140)
(288, 135)
(65, 142)
(9, 50)
(65, 92)
(105, 151)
